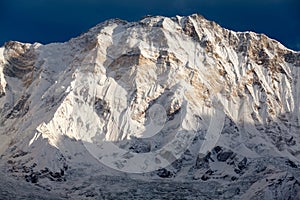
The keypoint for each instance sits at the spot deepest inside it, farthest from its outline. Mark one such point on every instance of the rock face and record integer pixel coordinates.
(180, 99)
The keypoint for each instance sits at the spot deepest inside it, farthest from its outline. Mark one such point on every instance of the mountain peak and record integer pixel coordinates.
(179, 98)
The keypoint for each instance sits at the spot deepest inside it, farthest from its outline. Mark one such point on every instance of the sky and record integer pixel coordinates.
(48, 21)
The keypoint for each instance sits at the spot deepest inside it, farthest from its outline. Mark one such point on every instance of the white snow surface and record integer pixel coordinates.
(128, 99)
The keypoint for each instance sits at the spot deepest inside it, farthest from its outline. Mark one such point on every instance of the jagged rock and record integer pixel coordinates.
(202, 162)
(291, 163)
(260, 168)
(205, 178)
(164, 173)
(242, 164)
(101, 107)
(20, 109)
(139, 146)
(223, 156)
(217, 149)
(33, 178)
(19, 153)
(238, 171)
(290, 57)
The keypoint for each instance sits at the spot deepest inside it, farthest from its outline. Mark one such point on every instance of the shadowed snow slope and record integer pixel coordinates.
(177, 105)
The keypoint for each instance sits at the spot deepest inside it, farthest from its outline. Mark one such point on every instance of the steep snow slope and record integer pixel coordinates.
(179, 99)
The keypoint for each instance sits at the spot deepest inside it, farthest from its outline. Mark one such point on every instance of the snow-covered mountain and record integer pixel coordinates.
(176, 108)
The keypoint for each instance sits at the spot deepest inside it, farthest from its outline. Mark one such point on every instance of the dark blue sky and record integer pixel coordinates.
(47, 21)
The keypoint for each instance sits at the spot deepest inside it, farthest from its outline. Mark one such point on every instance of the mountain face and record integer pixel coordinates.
(176, 108)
